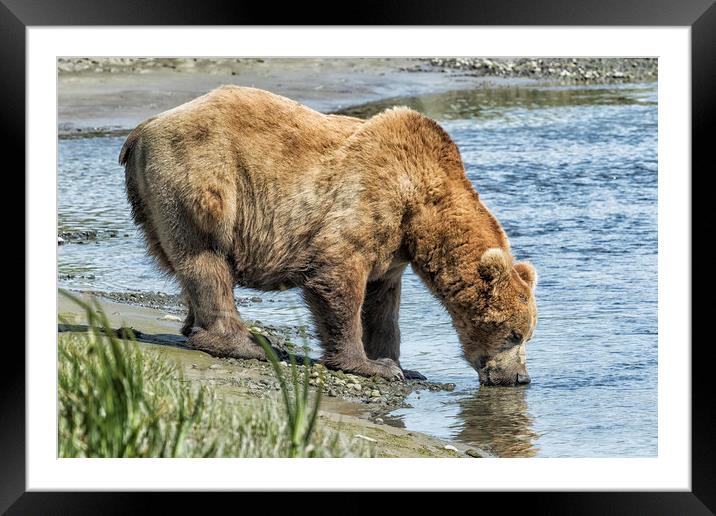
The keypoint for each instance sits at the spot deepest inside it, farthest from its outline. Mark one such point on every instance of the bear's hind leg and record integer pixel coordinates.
(381, 331)
(335, 296)
(217, 329)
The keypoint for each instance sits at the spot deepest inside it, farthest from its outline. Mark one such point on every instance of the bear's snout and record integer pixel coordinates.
(506, 368)
(501, 377)
(523, 379)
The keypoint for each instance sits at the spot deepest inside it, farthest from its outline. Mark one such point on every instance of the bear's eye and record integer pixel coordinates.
(515, 337)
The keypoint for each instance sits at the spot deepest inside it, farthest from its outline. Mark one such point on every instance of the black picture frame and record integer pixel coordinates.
(700, 15)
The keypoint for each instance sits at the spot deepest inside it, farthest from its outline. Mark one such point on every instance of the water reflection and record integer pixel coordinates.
(497, 419)
(491, 102)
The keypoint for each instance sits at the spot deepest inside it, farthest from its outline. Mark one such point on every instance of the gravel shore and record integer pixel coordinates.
(563, 70)
(566, 70)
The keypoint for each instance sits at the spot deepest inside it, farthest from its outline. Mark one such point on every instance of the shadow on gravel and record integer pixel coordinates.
(164, 339)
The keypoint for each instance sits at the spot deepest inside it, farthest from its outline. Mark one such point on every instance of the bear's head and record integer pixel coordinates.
(502, 319)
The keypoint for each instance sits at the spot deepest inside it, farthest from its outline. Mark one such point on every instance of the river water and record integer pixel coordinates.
(571, 173)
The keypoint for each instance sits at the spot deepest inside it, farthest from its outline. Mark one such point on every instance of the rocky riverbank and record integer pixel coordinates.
(563, 70)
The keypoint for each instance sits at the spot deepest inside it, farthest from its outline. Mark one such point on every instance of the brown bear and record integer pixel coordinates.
(244, 187)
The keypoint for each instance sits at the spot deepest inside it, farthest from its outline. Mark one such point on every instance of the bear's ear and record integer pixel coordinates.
(527, 272)
(494, 265)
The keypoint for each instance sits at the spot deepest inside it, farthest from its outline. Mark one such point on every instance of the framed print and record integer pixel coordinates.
(422, 234)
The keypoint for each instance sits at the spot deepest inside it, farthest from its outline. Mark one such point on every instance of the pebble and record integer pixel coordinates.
(375, 394)
(473, 453)
(215, 366)
(450, 447)
(369, 439)
(378, 421)
(170, 317)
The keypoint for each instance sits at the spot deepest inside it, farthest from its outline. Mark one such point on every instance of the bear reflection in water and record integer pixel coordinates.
(497, 420)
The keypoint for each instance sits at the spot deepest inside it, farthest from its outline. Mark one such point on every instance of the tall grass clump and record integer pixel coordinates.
(301, 417)
(119, 400)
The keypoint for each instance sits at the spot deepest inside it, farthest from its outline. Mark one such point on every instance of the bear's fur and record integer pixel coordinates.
(241, 186)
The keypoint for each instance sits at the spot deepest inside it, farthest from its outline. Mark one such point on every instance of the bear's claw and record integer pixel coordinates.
(413, 375)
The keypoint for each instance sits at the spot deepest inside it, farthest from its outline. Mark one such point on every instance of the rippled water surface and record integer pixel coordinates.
(571, 173)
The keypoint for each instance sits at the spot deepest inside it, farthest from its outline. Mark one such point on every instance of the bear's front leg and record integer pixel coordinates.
(381, 331)
(190, 319)
(335, 297)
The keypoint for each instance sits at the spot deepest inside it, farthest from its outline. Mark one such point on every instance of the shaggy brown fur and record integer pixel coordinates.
(241, 186)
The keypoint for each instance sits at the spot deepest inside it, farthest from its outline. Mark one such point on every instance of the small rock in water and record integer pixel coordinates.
(473, 453)
(378, 421)
(450, 447)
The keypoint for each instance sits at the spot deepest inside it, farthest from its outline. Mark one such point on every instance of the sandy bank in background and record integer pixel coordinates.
(114, 95)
